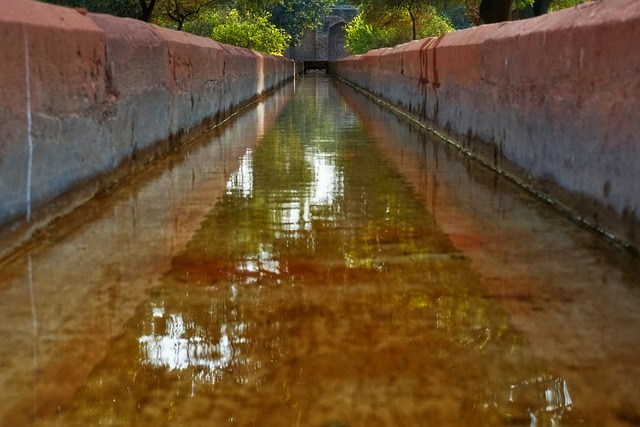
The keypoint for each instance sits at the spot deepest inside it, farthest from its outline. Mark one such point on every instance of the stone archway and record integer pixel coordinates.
(327, 41)
(337, 47)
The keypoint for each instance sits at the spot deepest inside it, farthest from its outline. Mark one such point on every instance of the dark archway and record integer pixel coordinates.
(337, 47)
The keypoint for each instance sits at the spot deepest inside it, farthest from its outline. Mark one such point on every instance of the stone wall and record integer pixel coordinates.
(327, 42)
(553, 102)
(88, 98)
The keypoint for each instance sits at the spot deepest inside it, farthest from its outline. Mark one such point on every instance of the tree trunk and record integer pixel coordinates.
(147, 9)
(413, 25)
(540, 7)
(495, 10)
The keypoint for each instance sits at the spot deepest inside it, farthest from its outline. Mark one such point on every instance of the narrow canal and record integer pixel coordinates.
(318, 261)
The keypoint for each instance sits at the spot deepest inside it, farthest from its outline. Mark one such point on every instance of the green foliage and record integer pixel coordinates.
(521, 4)
(179, 12)
(458, 14)
(123, 8)
(204, 25)
(252, 7)
(563, 4)
(361, 37)
(264, 19)
(434, 25)
(411, 15)
(296, 16)
(253, 32)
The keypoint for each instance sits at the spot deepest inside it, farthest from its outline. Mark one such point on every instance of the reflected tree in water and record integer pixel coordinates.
(319, 288)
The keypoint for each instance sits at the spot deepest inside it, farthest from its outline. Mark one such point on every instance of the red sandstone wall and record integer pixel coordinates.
(86, 98)
(553, 101)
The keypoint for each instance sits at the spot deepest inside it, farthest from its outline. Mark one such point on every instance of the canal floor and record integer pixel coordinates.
(318, 261)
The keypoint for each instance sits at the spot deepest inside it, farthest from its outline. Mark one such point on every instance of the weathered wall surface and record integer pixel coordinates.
(552, 101)
(87, 98)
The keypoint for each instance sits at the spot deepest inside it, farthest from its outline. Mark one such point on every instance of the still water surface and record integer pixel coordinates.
(316, 261)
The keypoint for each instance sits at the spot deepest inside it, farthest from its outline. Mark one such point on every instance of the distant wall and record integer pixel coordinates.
(553, 101)
(87, 98)
(326, 41)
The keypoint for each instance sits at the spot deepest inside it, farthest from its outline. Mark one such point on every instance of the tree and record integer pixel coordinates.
(361, 37)
(491, 11)
(204, 25)
(253, 32)
(387, 12)
(434, 24)
(147, 7)
(181, 11)
(296, 16)
(123, 8)
(252, 7)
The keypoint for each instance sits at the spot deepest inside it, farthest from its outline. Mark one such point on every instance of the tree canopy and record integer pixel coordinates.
(362, 37)
(388, 13)
(272, 25)
(296, 16)
(255, 32)
(265, 25)
(122, 8)
(181, 11)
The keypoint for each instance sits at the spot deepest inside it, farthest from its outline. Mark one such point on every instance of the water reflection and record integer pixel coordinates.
(71, 291)
(172, 344)
(320, 291)
(316, 289)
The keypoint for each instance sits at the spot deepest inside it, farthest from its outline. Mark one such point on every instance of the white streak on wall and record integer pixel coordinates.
(29, 123)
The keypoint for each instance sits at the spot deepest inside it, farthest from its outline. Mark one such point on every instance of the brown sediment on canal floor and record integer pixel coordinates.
(345, 270)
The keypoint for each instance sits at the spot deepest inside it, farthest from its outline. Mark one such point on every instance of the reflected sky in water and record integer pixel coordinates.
(319, 290)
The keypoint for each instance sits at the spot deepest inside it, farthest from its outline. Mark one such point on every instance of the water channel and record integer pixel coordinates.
(318, 261)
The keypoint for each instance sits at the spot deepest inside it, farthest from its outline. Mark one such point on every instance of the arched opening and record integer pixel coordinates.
(337, 41)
